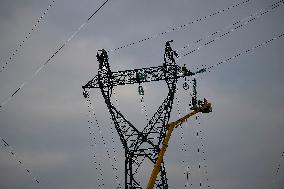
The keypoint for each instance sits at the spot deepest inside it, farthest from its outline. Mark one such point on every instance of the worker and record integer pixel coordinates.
(103, 56)
(169, 52)
(199, 103)
(194, 102)
(184, 69)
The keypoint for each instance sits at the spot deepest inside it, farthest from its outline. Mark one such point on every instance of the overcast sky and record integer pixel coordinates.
(46, 121)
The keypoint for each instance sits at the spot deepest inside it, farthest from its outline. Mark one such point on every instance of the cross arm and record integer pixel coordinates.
(138, 76)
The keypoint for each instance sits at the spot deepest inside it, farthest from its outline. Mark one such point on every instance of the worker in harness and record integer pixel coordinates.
(170, 53)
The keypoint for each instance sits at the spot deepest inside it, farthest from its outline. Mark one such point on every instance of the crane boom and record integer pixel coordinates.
(204, 108)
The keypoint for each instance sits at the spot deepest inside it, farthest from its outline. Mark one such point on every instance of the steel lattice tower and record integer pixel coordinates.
(145, 144)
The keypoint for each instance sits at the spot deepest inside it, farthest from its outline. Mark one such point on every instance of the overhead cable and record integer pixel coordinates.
(50, 58)
(243, 52)
(12, 152)
(15, 52)
(180, 26)
(233, 27)
(236, 25)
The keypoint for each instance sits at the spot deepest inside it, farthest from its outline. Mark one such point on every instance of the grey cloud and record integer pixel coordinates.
(46, 122)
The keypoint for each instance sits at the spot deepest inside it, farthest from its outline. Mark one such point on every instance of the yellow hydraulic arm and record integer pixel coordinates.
(204, 108)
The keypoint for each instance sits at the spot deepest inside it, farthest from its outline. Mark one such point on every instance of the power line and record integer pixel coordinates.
(12, 152)
(233, 27)
(279, 165)
(243, 52)
(15, 52)
(179, 27)
(50, 58)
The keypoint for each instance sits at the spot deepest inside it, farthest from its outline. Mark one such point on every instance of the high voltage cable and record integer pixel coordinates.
(12, 152)
(75, 33)
(15, 52)
(279, 165)
(81, 27)
(179, 27)
(234, 27)
(243, 52)
(50, 58)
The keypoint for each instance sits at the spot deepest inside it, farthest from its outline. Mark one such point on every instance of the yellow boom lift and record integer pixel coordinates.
(203, 107)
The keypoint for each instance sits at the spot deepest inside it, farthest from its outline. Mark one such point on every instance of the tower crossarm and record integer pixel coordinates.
(138, 76)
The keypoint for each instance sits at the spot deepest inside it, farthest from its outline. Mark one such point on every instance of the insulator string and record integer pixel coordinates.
(143, 107)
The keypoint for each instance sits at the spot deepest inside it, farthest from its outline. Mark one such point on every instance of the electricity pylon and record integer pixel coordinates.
(145, 144)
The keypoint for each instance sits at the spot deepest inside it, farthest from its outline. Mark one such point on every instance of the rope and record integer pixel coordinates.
(112, 135)
(114, 168)
(184, 146)
(98, 165)
(143, 107)
(15, 52)
(203, 155)
(187, 169)
(115, 99)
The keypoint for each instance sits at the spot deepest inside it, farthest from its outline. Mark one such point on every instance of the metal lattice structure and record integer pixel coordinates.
(145, 144)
